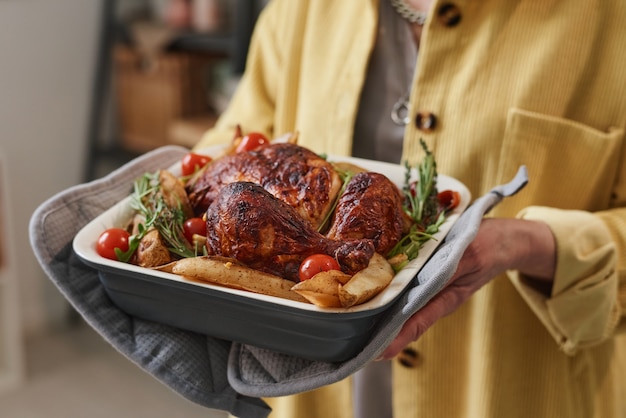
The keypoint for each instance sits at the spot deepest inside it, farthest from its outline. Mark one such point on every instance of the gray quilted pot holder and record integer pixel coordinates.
(218, 374)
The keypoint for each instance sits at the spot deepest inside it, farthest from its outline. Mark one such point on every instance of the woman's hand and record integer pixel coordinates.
(500, 245)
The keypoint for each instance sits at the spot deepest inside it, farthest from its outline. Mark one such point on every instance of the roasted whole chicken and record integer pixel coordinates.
(266, 209)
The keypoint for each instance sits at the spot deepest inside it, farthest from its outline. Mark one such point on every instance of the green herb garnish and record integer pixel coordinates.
(147, 200)
(422, 207)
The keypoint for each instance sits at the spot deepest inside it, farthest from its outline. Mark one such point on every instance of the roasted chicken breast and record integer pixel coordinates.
(370, 207)
(291, 173)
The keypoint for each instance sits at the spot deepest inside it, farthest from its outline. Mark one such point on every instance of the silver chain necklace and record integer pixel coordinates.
(409, 13)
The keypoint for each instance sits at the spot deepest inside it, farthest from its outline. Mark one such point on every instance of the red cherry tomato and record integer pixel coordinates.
(111, 239)
(251, 141)
(193, 162)
(449, 199)
(194, 226)
(316, 263)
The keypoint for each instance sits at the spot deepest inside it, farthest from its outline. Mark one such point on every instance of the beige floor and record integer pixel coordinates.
(76, 374)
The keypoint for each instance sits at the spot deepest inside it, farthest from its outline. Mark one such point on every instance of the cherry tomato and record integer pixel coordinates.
(111, 239)
(251, 141)
(194, 226)
(193, 162)
(449, 199)
(316, 263)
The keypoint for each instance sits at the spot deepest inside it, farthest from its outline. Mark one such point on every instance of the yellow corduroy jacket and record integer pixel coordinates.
(515, 82)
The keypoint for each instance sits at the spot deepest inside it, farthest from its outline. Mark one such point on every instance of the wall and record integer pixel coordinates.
(47, 55)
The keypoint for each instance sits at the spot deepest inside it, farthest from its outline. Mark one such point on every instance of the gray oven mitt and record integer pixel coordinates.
(215, 373)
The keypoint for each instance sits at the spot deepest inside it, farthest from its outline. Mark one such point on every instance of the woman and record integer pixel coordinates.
(530, 324)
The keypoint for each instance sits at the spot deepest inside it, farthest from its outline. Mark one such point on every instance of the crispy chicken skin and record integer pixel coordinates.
(370, 207)
(294, 174)
(246, 222)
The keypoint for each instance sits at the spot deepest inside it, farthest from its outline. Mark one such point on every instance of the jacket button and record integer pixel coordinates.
(409, 358)
(425, 121)
(449, 14)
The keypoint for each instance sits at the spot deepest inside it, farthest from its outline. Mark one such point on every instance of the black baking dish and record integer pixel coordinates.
(286, 326)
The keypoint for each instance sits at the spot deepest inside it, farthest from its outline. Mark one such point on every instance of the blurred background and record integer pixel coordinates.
(85, 86)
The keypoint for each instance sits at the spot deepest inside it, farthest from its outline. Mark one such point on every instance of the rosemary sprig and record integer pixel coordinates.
(345, 176)
(422, 207)
(147, 200)
(421, 196)
(411, 244)
(169, 222)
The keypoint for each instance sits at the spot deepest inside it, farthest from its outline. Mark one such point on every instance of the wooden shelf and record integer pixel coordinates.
(201, 42)
(233, 46)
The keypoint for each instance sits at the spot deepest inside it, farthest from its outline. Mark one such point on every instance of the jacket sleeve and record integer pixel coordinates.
(588, 297)
(253, 103)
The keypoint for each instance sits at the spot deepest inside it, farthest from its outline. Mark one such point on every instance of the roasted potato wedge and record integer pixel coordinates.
(323, 288)
(348, 167)
(152, 250)
(165, 267)
(173, 192)
(292, 137)
(366, 283)
(228, 272)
